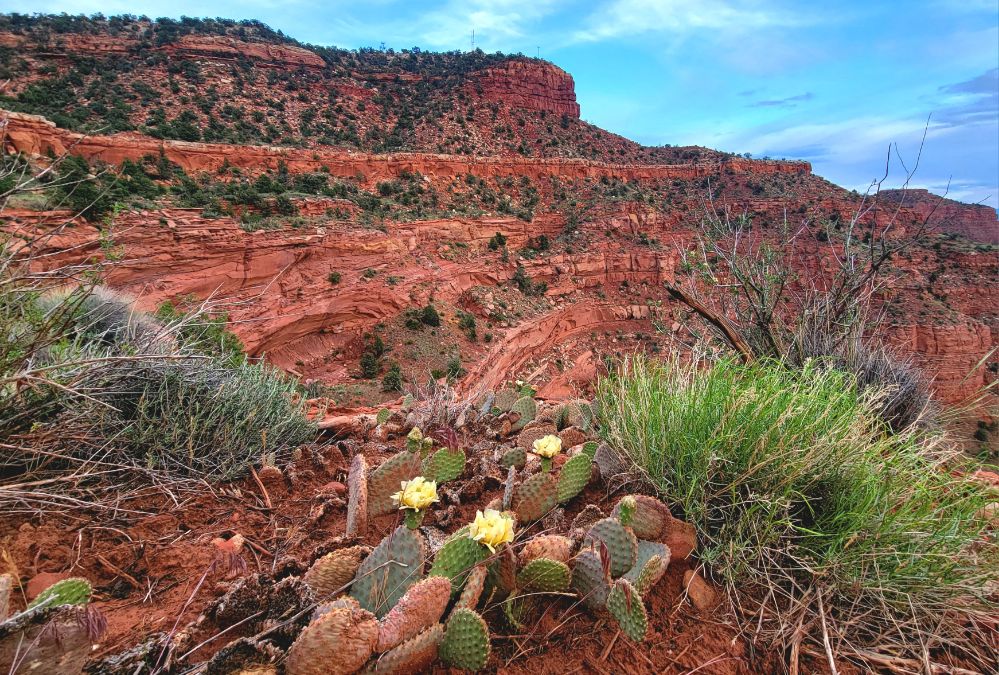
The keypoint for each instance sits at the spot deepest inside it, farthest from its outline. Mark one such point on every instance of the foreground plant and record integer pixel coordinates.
(546, 448)
(805, 501)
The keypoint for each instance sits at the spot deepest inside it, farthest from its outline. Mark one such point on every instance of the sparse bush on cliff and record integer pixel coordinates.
(393, 378)
(430, 317)
(802, 501)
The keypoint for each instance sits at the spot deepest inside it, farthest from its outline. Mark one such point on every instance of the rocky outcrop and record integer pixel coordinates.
(37, 136)
(532, 85)
(187, 46)
(974, 221)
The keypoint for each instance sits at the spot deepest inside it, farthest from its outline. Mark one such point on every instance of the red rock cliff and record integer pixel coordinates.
(975, 221)
(532, 85)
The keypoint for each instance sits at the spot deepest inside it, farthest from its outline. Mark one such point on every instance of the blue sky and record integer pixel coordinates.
(832, 83)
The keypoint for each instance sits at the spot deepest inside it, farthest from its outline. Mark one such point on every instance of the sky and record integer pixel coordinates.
(840, 84)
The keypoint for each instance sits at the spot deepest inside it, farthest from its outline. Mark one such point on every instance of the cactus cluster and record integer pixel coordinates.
(396, 620)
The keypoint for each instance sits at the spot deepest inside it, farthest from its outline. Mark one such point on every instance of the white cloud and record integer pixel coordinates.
(622, 18)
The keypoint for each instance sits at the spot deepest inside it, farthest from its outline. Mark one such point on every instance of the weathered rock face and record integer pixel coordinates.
(187, 46)
(36, 136)
(975, 221)
(533, 85)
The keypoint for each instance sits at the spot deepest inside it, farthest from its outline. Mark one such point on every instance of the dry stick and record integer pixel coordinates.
(717, 320)
(825, 636)
(117, 570)
(260, 484)
(220, 634)
(610, 646)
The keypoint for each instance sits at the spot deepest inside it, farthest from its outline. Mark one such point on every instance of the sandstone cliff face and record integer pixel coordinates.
(532, 85)
(187, 46)
(975, 221)
(36, 136)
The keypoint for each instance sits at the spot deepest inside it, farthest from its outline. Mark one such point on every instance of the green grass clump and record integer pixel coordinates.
(801, 496)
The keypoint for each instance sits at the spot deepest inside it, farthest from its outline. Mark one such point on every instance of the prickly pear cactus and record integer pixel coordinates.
(651, 518)
(503, 571)
(420, 608)
(456, 559)
(590, 579)
(508, 488)
(408, 402)
(412, 656)
(551, 546)
(330, 573)
(73, 591)
(574, 414)
(620, 542)
(485, 402)
(474, 586)
(389, 571)
(519, 610)
(535, 497)
(544, 576)
(340, 641)
(383, 416)
(650, 566)
(573, 477)
(526, 407)
(466, 640)
(444, 465)
(505, 399)
(514, 457)
(384, 481)
(534, 432)
(357, 497)
(590, 448)
(625, 604)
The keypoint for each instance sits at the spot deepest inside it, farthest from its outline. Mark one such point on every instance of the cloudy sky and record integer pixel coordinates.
(833, 83)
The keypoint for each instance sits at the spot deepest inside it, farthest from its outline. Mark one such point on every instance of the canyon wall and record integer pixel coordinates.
(37, 136)
(187, 46)
(974, 221)
(533, 85)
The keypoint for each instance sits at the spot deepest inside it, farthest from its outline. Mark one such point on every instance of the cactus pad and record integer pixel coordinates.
(378, 586)
(651, 518)
(456, 559)
(357, 497)
(573, 477)
(413, 656)
(650, 566)
(526, 408)
(73, 591)
(626, 605)
(505, 399)
(544, 576)
(330, 573)
(444, 465)
(574, 414)
(519, 610)
(340, 641)
(466, 640)
(514, 457)
(534, 432)
(590, 580)
(503, 570)
(408, 402)
(474, 585)
(571, 437)
(590, 448)
(620, 541)
(384, 481)
(551, 546)
(383, 416)
(535, 497)
(420, 608)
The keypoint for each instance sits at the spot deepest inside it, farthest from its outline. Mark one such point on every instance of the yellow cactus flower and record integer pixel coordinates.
(416, 494)
(491, 528)
(548, 447)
